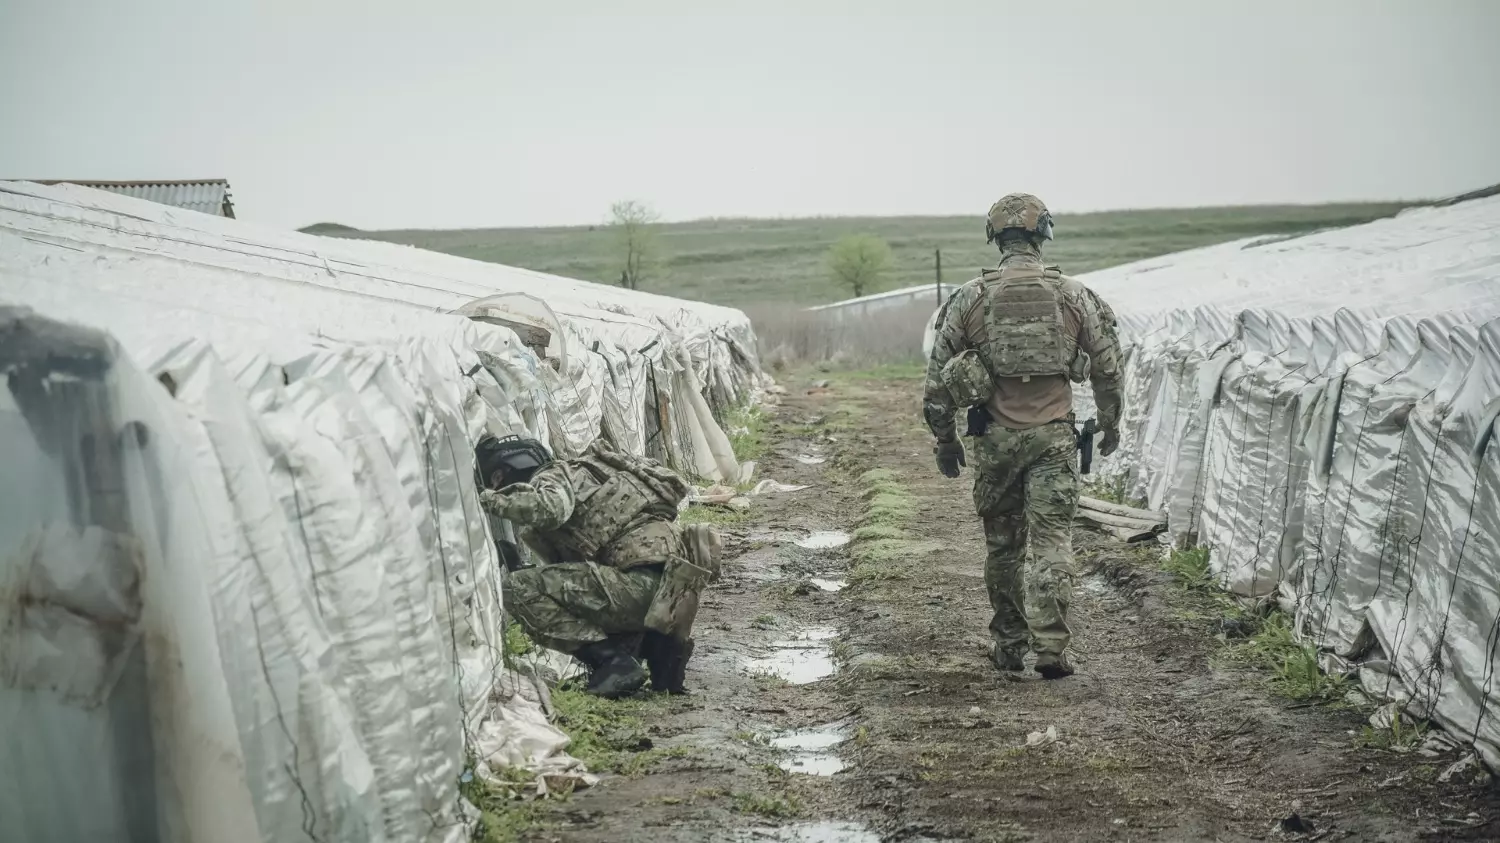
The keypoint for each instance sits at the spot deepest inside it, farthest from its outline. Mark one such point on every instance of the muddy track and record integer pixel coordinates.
(914, 736)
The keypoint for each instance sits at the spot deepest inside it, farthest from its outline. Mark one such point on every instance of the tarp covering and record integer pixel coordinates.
(246, 592)
(1321, 412)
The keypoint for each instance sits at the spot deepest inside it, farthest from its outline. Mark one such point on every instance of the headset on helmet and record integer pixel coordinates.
(1021, 212)
(517, 456)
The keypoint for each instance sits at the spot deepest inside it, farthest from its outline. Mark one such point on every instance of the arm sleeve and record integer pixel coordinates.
(545, 503)
(1099, 338)
(938, 408)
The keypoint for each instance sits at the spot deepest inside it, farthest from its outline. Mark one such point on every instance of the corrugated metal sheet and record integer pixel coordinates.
(208, 196)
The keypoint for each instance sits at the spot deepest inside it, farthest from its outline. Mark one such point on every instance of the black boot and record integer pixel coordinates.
(667, 658)
(613, 671)
(1053, 665)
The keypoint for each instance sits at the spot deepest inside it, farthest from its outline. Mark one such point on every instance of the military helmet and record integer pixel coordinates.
(1020, 211)
(517, 456)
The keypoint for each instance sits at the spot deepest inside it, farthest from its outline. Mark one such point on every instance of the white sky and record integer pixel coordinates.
(461, 113)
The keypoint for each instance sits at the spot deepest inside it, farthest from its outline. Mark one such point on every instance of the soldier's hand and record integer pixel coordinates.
(950, 455)
(493, 502)
(1109, 442)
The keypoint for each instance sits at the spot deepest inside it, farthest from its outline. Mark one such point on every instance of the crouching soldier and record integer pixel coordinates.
(619, 578)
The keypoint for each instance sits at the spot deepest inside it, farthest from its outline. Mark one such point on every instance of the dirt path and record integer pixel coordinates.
(923, 739)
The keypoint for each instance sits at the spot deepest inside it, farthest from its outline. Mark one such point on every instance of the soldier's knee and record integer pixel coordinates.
(521, 588)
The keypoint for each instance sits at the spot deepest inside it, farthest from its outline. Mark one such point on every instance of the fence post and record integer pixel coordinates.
(937, 255)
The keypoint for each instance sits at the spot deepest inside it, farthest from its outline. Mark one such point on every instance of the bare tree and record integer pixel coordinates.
(859, 262)
(638, 250)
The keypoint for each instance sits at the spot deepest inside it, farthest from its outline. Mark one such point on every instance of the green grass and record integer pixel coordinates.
(1191, 569)
(716, 515)
(1292, 665)
(739, 261)
(1272, 648)
(1400, 736)
(503, 816)
(880, 546)
(768, 805)
(605, 734)
(516, 643)
(746, 428)
(1112, 491)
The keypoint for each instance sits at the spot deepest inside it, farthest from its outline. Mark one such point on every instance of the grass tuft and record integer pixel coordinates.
(746, 428)
(503, 816)
(768, 805)
(716, 515)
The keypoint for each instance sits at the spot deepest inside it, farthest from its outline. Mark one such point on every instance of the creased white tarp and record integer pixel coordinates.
(1342, 460)
(293, 621)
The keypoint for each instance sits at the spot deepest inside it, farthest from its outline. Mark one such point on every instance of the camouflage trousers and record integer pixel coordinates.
(1026, 489)
(571, 604)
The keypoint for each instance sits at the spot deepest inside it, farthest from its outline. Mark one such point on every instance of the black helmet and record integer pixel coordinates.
(518, 457)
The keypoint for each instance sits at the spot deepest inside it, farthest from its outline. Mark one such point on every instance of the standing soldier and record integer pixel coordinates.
(619, 578)
(1008, 345)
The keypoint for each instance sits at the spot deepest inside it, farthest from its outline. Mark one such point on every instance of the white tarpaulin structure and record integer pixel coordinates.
(246, 593)
(1321, 413)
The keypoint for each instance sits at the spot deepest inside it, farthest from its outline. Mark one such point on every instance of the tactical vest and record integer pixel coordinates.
(623, 512)
(1025, 335)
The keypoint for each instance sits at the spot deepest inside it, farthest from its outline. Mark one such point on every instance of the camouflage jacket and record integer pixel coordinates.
(604, 507)
(1019, 404)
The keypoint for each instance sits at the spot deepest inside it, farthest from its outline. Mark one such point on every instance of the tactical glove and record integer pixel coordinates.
(950, 455)
(1109, 442)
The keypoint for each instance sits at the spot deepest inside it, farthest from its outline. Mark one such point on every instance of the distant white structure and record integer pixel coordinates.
(206, 196)
(933, 294)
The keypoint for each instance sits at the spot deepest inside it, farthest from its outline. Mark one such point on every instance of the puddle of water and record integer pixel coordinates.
(830, 585)
(823, 540)
(813, 764)
(800, 658)
(823, 832)
(806, 634)
(796, 666)
(820, 737)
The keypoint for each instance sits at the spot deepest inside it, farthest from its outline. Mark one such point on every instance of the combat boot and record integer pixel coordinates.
(613, 672)
(1053, 665)
(1007, 660)
(667, 659)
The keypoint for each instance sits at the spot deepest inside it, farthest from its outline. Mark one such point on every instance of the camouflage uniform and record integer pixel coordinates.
(604, 526)
(1025, 468)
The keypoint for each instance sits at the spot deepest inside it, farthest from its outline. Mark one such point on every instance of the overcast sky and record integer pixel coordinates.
(488, 112)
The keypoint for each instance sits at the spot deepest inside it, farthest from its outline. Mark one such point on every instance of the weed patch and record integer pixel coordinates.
(503, 816)
(607, 735)
(768, 805)
(716, 515)
(1400, 736)
(877, 532)
(746, 427)
(515, 643)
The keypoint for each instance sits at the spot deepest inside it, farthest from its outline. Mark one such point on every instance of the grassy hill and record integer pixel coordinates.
(755, 261)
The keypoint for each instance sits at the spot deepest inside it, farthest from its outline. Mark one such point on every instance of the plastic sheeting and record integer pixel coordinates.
(1340, 461)
(270, 610)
